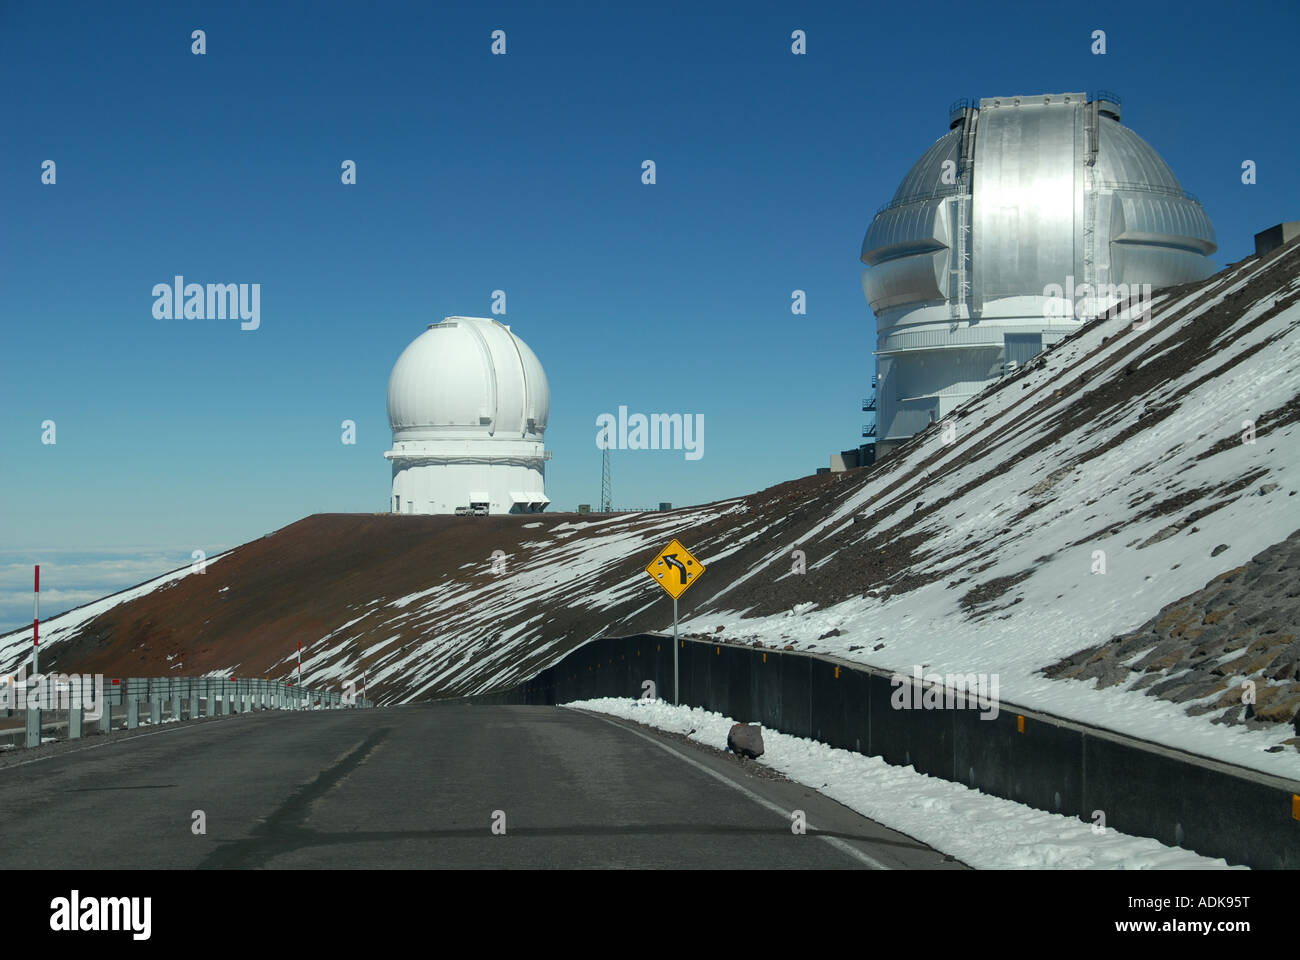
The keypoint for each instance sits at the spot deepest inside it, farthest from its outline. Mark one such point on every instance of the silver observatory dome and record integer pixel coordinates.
(1025, 198)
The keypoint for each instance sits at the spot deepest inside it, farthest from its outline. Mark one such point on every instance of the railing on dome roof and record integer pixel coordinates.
(972, 103)
(949, 191)
(1178, 192)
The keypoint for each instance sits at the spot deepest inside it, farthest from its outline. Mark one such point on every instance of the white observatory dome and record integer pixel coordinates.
(468, 404)
(467, 376)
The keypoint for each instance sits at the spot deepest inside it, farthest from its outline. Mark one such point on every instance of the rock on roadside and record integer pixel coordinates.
(746, 740)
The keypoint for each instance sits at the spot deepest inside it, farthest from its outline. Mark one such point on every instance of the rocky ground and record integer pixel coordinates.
(1218, 649)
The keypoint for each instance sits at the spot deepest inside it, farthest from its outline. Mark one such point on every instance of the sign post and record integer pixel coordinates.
(675, 569)
(36, 624)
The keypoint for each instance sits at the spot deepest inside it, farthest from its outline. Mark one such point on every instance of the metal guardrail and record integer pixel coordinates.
(180, 698)
(606, 513)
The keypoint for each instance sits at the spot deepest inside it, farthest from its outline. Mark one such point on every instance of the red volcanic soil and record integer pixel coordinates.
(309, 579)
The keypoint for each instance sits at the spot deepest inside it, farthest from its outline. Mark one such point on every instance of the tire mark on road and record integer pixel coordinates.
(283, 831)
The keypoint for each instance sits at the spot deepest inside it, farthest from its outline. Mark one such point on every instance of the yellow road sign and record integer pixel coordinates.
(675, 569)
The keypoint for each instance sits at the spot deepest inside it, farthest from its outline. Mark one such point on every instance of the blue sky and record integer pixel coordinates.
(521, 173)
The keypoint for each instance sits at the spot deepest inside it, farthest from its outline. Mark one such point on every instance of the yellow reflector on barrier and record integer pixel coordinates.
(837, 673)
(1020, 723)
(1295, 807)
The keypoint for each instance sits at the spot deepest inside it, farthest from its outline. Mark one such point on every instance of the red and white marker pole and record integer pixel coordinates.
(36, 622)
(363, 686)
(299, 669)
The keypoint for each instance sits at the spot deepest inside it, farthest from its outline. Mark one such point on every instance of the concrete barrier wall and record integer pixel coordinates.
(1044, 762)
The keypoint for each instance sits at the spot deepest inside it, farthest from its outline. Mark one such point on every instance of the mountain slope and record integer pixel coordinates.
(1068, 505)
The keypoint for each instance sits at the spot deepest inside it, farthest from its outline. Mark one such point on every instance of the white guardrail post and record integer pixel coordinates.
(74, 704)
(75, 711)
(33, 737)
(105, 722)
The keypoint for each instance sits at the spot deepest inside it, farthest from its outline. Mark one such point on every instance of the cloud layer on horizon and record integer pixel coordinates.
(70, 578)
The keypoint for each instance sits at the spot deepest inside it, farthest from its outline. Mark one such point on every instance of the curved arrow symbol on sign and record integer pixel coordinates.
(672, 561)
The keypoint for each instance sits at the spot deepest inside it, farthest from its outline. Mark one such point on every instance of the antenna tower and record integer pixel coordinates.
(606, 484)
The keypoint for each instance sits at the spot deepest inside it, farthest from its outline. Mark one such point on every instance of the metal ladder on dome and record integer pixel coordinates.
(1091, 147)
(959, 274)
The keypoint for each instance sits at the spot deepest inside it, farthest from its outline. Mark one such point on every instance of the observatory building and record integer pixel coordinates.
(468, 403)
(1032, 215)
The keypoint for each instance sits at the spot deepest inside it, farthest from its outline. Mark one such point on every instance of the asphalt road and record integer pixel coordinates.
(418, 787)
